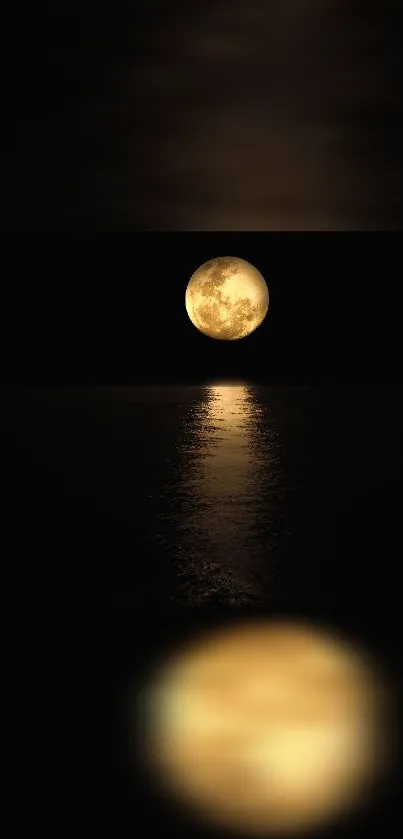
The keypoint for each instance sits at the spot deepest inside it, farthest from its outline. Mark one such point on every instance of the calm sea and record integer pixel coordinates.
(213, 494)
(134, 516)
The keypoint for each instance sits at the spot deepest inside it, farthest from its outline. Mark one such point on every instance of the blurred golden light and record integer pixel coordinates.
(265, 728)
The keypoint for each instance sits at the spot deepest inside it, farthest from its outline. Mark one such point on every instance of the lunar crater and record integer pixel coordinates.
(227, 298)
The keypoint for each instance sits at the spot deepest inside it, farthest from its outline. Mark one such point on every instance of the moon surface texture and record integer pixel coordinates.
(227, 298)
(265, 728)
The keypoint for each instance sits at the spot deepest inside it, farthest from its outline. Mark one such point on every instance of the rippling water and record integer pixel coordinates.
(185, 493)
(229, 491)
(215, 493)
(124, 506)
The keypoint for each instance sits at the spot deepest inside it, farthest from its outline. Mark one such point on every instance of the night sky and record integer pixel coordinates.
(163, 116)
(111, 310)
(207, 116)
(133, 125)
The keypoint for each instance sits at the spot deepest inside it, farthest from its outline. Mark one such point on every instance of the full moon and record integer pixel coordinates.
(269, 728)
(227, 298)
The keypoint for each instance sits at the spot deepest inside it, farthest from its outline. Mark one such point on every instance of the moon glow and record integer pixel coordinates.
(271, 728)
(227, 298)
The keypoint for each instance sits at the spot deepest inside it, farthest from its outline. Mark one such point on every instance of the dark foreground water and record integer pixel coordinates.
(134, 515)
(227, 494)
(185, 493)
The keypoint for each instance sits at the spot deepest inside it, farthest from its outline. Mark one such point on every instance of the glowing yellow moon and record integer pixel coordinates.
(227, 298)
(269, 728)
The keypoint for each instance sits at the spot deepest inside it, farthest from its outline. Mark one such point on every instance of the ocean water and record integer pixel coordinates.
(217, 494)
(228, 494)
(231, 484)
(171, 492)
(136, 516)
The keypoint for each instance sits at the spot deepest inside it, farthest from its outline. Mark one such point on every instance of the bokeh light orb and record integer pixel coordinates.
(265, 728)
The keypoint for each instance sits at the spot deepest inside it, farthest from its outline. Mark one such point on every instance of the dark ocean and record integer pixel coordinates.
(230, 494)
(136, 515)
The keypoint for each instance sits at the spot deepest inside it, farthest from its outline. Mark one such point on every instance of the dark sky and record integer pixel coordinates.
(213, 115)
(169, 116)
(111, 309)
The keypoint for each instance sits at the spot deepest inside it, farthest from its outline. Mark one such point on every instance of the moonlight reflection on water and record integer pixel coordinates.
(227, 489)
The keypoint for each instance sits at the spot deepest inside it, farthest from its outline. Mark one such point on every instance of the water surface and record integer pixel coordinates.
(209, 494)
(173, 492)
